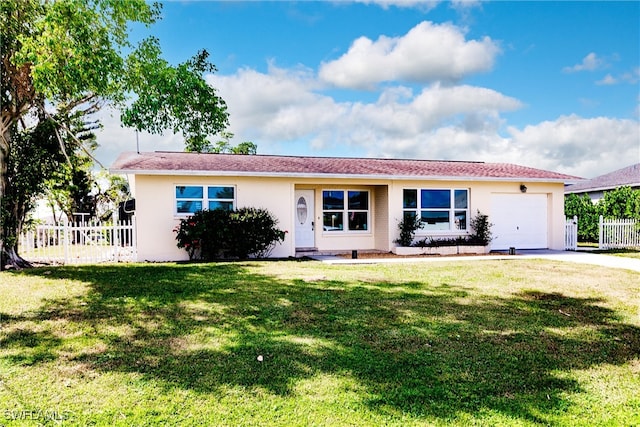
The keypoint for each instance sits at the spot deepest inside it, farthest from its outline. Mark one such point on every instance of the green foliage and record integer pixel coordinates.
(210, 235)
(176, 98)
(408, 227)
(199, 144)
(623, 202)
(70, 56)
(34, 157)
(479, 224)
(481, 228)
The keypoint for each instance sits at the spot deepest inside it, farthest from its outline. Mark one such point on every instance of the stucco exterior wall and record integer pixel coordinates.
(156, 218)
(155, 207)
(480, 193)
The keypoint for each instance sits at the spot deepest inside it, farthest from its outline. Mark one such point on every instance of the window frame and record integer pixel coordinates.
(204, 200)
(452, 210)
(346, 211)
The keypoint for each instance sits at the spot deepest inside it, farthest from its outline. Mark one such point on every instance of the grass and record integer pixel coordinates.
(517, 342)
(626, 253)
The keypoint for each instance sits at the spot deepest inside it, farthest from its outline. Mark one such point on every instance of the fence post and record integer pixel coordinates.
(65, 241)
(601, 233)
(116, 237)
(134, 239)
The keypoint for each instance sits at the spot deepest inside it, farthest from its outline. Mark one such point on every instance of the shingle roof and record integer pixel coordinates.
(180, 163)
(626, 176)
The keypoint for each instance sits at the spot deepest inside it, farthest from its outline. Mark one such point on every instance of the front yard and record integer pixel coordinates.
(516, 342)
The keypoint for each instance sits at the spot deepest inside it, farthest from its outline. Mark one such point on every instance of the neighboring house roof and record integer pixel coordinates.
(629, 176)
(172, 163)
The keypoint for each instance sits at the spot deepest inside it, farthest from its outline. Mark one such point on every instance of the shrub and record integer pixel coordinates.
(408, 227)
(481, 235)
(252, 232)
(210, 235)
(481, 230)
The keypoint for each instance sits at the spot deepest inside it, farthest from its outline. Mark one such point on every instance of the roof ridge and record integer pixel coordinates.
(291, 156)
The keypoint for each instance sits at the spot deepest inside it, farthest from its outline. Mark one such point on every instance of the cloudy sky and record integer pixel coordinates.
(553, 85)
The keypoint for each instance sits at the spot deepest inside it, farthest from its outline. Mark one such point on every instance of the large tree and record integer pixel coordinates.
(68, 57)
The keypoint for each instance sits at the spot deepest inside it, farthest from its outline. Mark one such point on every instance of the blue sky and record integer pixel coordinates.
(553, 85)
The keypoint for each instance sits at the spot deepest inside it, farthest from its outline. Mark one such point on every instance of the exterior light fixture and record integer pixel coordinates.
(523, 188)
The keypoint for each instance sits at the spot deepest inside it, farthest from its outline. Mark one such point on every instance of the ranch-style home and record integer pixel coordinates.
(344, 204)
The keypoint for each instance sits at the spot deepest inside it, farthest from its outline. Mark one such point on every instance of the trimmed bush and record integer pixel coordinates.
(243, 233)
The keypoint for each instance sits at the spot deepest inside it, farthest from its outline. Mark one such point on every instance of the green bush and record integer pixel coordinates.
(481, 230)
(243, 233)
(408, 227)
(621, 203)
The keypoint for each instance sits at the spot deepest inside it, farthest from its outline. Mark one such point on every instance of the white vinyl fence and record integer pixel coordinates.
(80, 243)
(571, 234)
(619, 234)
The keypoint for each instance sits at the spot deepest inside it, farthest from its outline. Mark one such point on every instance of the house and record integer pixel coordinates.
(344, 204)
(596, 187)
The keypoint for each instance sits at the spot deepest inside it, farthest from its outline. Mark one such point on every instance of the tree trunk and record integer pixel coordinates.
(12, 259)
(5, 138)
(11, 212)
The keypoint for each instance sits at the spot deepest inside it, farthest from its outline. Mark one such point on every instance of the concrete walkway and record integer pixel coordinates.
(568, 256)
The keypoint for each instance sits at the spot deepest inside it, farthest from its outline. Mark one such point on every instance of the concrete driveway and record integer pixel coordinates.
(568, 256)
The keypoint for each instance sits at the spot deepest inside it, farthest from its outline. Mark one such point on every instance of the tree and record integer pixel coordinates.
(587, 214)
(623, 202)
(222, 146)
(63, 58)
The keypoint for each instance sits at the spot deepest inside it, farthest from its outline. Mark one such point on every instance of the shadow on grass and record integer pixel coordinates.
(419, 349)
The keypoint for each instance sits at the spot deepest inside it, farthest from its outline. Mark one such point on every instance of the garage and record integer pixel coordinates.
(519, 221)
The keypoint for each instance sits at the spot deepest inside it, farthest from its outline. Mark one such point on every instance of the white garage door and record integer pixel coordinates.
(519, 221)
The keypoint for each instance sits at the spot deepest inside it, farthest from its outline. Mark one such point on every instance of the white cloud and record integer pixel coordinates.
(425, 5)
(428, 52)
(590, 62)
(607, 80)
(581, 146)
(114, 139)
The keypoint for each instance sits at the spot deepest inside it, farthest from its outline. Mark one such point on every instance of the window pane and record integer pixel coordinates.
(358, 221)
(225, 206)
(409, 215)
(435, 199)
(359, 200)
(332, 200)
(461, 220)
(190, 192)
(435, 220)
(410, 199)
(332, 221)
(188, 206)
(220, 192)
(461, 199)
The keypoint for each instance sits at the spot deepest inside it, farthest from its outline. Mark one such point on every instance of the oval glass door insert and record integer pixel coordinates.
(302, 210)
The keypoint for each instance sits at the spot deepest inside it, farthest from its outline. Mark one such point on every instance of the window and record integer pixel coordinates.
(439, 209)
(193, 198)
(342, 208)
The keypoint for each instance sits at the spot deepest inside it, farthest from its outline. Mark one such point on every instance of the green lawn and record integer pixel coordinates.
(514, 343)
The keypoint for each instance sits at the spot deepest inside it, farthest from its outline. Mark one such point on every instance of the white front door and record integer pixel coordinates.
(304, 218)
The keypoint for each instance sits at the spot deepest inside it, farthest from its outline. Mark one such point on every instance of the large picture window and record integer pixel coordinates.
(345, 210)
(439, 209)
(193, 198)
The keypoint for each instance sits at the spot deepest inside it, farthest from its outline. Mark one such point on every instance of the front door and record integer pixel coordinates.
(304, 218)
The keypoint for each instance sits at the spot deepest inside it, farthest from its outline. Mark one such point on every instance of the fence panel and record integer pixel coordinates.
(619, 234)
(571, 234)
(80, 243)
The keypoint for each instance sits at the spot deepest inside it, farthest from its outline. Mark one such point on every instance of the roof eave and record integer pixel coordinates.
(605, 188)
(301, 175)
